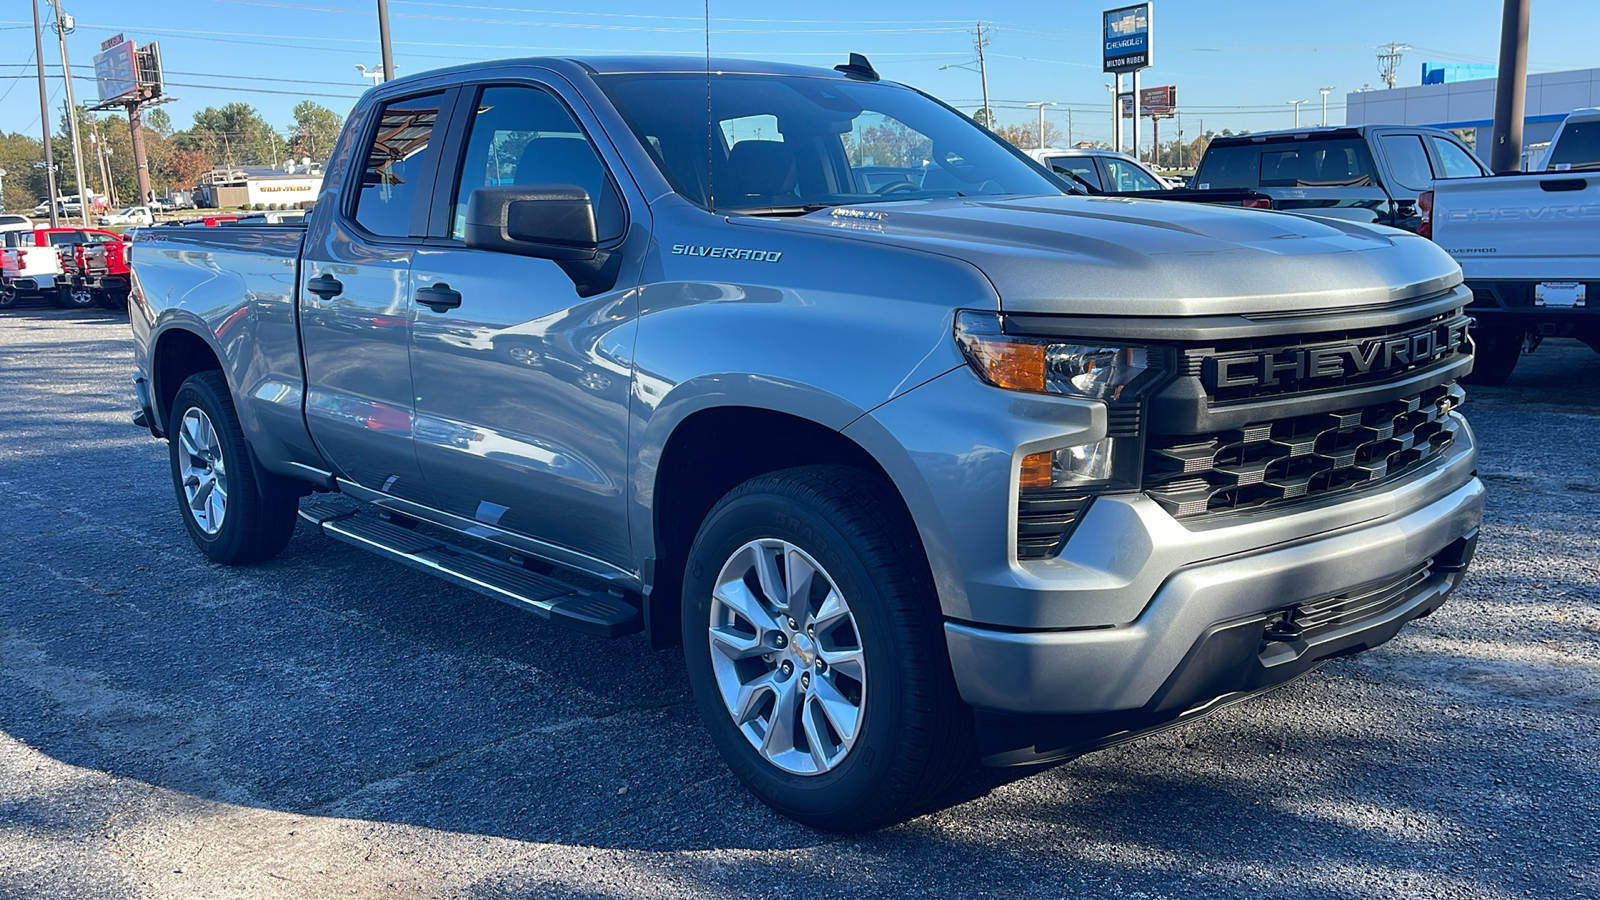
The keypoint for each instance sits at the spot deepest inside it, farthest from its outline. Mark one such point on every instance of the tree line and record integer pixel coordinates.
(234, 134)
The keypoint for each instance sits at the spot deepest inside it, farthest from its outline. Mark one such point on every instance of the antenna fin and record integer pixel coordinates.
(858, 67)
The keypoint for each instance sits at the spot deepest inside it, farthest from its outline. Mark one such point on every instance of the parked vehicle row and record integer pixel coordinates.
(73, 268)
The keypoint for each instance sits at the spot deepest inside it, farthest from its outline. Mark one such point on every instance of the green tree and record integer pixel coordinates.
(314, 131)
(234, 135)
(22, 184)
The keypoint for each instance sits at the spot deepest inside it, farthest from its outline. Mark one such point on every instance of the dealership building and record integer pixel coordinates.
(1467, 106)
(228, 188)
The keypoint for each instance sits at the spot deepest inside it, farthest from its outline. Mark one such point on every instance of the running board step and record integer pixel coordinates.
(604, 615)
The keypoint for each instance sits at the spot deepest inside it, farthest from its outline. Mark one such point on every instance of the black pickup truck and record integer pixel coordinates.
(1366, 173)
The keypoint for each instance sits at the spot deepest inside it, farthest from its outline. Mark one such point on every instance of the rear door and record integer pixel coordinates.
(355, 298)
(522, 386)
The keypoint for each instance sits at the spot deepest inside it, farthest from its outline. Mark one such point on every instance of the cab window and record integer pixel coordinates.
(1408, 160)
(1081, 166)
(1125, 176)
(399, 158)
(1458, 163)
(523, 135)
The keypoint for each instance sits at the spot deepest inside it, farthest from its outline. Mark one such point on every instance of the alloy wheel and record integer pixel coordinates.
(200, 465)
(787, 657)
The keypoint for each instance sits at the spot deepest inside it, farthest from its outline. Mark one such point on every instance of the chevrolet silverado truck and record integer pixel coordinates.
(1529, 248)
(966, 468)
(1365, 173)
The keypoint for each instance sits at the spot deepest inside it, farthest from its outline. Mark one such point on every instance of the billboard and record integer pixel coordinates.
(115, 72)
(1127, 39)
(1157, 102)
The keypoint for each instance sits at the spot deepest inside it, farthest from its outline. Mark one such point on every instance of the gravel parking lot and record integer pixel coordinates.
(331, 725)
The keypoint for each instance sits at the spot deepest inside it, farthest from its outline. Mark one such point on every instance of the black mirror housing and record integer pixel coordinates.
(549, 221)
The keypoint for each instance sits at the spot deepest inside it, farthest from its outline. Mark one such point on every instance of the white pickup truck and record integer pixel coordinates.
(1529, 247)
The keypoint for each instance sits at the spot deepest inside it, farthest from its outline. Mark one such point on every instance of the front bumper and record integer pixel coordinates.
(1142, 617)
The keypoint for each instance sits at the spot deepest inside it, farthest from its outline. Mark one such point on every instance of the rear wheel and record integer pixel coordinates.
(229, 515)
(71, 297)
(816, 650)
(115, 301)
(1494, 356)
(8, 296)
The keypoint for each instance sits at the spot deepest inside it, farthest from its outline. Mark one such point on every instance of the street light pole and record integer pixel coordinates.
(1041, 104)
(44, 119)
(1116, 112)
(1296, 105)
(383, 39)
(1325, 92)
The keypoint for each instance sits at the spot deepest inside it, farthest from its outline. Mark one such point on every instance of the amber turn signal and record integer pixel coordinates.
(1037, 470)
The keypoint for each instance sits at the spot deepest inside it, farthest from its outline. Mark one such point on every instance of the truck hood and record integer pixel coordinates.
(1114, 256)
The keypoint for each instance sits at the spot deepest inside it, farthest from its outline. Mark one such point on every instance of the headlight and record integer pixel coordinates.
(1094, 371)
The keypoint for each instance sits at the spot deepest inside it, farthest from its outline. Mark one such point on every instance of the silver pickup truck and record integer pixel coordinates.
(956, 468)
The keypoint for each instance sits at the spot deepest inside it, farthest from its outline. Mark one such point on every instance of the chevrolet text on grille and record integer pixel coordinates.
(1270, 367)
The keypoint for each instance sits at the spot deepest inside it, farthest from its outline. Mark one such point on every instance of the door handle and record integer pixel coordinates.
(325, 286)
(439, 297)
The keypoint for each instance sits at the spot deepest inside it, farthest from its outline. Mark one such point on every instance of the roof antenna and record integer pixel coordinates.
(858, 67)
(711, 182)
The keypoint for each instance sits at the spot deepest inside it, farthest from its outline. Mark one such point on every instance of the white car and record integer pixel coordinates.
(1102, 170)
(133, 215)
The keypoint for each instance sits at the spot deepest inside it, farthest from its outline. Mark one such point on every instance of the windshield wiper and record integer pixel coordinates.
(780, 210)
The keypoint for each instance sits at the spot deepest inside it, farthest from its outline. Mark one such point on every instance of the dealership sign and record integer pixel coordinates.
(1127, 39)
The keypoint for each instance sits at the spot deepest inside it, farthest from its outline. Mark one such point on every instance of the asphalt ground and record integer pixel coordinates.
(332, 725)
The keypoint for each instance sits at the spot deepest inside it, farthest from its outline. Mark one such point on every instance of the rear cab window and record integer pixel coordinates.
(1577, 147)
(400, 156)
(1306, 162)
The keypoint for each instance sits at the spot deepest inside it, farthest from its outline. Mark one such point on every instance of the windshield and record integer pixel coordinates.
(788, 143)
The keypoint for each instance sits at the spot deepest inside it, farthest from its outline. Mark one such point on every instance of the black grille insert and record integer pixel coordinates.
(1299, 458)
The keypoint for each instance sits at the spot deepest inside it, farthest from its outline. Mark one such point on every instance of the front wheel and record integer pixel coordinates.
(816, 650)
(228, 516)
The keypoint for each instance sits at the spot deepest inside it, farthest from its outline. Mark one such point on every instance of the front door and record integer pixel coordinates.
(355, 302)
(522, 389)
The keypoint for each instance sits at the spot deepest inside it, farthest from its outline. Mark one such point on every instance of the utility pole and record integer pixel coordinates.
(1069, 127)
(1325, 92)
(383, 40)
(44, 119)
(72, 119)
(983, 73)
(1042, 104)
(1389, 61)
(1296, 105)
(1510, 89)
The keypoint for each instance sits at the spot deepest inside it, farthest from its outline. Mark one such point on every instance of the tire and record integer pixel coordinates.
(1495, 353)
(249, 525)
(76, 297)
(112, 300)
(911, 735)
(8, 296)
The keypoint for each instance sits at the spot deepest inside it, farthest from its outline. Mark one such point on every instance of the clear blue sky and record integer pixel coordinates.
(1236, 63)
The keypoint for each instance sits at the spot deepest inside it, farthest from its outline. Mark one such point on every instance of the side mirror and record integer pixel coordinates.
(550, 221)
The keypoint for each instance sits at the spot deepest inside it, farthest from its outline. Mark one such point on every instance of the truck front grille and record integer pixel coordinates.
(1298, 459)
